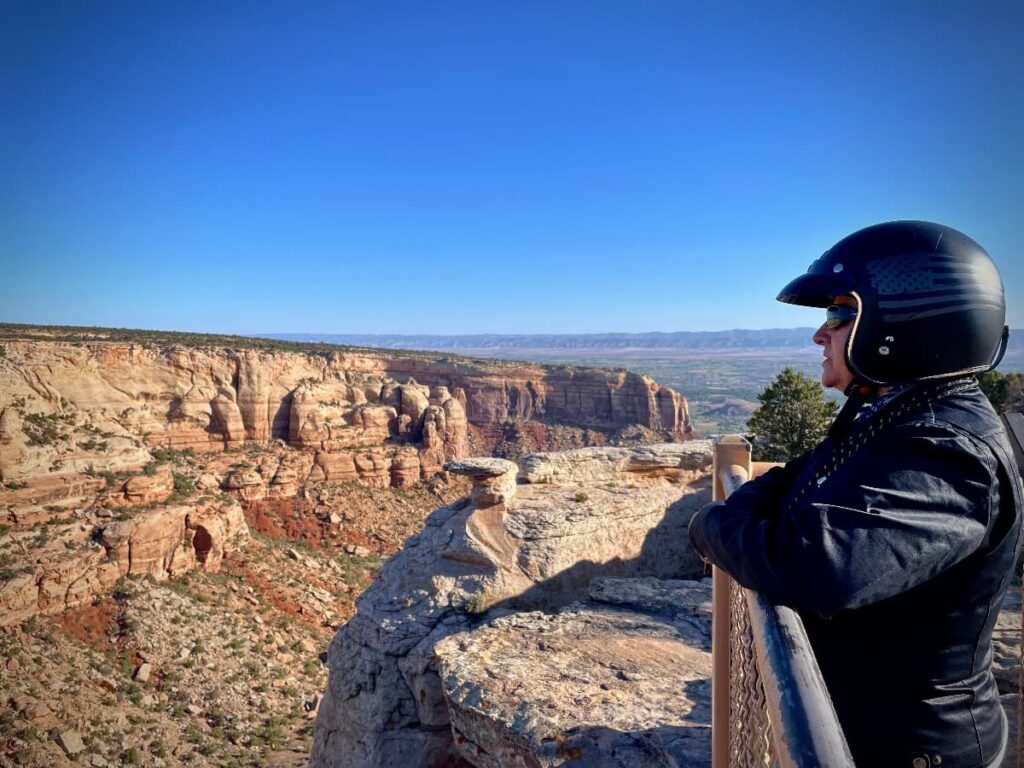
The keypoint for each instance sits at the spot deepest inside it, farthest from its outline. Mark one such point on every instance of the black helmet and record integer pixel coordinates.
(930, 301)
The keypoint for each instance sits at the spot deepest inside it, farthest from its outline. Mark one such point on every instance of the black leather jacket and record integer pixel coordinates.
(896, 547)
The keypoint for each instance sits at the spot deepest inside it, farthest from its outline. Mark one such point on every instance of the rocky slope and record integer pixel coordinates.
(208, 667)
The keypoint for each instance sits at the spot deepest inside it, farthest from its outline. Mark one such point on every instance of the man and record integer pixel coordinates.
(896, 537)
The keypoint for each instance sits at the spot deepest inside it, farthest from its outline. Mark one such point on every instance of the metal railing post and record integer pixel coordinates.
(730, 452)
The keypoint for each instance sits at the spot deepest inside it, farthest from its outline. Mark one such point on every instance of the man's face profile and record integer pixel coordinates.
(834, 371)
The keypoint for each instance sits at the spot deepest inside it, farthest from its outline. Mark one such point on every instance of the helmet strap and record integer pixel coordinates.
(858, 393)
(1004, 339)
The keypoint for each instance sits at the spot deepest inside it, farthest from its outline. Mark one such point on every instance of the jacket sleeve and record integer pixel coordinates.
(917, 504)
(764, 493)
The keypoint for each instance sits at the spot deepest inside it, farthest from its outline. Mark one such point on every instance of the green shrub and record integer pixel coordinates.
(184, 487)
(42, 429)
(172, 455)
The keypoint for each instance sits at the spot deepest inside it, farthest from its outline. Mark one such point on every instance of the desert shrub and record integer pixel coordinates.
(42, 428)
(184, 487)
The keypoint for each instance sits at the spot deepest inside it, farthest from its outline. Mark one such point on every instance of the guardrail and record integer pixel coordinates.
(769, 703)
(1014, 423)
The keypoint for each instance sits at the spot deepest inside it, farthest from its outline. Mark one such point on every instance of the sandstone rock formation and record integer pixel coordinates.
(66, 565)
(585, 397)
(66, 409)
(71, 408)
(677, 461)
(506, 548)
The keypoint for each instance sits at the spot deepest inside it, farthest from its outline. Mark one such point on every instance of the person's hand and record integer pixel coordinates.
(695, 523)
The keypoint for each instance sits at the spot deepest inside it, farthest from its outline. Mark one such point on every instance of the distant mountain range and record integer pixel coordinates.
(772, 338)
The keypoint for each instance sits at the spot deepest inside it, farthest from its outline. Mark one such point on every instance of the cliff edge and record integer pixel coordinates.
(406, 682)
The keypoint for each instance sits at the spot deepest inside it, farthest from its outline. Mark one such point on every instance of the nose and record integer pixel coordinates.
(822, 336)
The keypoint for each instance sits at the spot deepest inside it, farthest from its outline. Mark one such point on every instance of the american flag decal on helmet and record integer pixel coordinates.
(921, 285)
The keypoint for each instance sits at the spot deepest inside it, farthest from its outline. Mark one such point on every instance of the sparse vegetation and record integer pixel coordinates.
(87, 335)
(184, 487)
(580, 497)
(479, 603)
(173, 456)
(43, 428)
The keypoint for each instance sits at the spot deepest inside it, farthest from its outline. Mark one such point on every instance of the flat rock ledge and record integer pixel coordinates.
(594, 684)
(679, 461)
(480, 466)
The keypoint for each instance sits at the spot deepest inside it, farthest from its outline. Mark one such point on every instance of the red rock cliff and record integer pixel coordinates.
(382, 419)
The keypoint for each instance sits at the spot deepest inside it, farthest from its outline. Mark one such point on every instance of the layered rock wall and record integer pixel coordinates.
(584, 397)
(66, 408)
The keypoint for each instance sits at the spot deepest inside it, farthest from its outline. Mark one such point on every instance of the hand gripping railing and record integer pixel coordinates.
(770, 706)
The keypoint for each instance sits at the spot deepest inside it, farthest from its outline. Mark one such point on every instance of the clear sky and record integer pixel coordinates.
(469, 167)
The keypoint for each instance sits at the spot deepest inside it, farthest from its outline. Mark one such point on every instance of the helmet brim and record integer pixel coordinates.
(815, 290)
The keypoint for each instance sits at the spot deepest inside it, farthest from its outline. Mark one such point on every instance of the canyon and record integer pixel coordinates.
(161, 492)
(172, 438)
(221, 554)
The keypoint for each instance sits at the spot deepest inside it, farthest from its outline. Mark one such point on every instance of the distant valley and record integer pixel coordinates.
(719, 372)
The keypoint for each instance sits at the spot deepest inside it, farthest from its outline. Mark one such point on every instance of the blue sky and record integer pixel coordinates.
(468, 167)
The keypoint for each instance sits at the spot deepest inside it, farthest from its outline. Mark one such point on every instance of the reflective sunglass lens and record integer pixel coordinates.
(838, 315)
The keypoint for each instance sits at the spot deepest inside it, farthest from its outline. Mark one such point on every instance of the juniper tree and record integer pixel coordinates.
(793, 417)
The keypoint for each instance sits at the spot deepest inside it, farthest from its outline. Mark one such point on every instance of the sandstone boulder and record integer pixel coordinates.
(149, 489)
(405, 468)
(71, 742)
(245, 483)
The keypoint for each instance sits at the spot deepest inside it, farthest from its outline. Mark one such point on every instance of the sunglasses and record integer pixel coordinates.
(838, 315)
